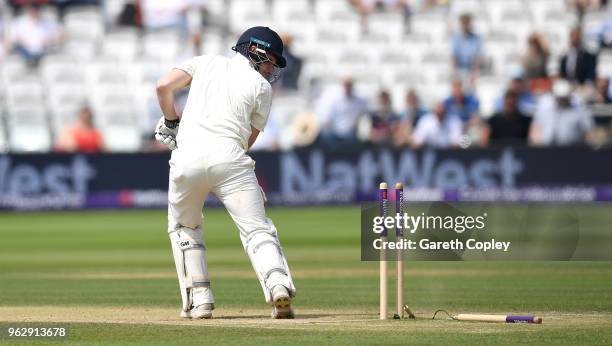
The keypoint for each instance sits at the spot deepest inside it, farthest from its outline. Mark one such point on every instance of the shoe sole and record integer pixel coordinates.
(189, 315)
(282, 308)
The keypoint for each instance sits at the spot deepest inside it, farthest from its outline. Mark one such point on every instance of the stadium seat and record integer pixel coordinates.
(56, 69)
(245, 20)
(434, 25)
(458, 7)
(498, 9)
(63, 115)
(82, 49)
(540, 9)
(120, 129)
(146, 107)
(604, 64)
(327, 10)
(213, 43)
(284, 11)
(240, 11)
(87, 24)
(66, 94)
(145, 71)
(488, 89)
(110, 95)
(122, 45)
(12, 68)
(4, 145)
(164, 46)
(388, 24)
(28, 129)
(25, 92)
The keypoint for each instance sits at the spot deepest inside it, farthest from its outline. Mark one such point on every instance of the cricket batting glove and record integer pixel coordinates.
(165, 132)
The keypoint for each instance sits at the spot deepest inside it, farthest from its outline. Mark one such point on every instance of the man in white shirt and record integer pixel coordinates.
(31, 36)
(561, 118)
(228, 105)
(338, 112)
(437, 129)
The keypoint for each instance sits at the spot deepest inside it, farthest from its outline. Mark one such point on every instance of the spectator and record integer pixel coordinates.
(291, 74)
(81, 136)
(414, 108)
(163, 14)
(526, 100)
(130, 15)
(463, 104)
(508, 126)
(602, 95)
(578, 65)
(338, 115)
(466, 49)
(385, 122)
(438, 129)
(365, 7)
(535, 61)
(32, 36)
(561, 119)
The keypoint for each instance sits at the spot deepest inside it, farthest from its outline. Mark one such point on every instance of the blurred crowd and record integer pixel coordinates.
(546, 99)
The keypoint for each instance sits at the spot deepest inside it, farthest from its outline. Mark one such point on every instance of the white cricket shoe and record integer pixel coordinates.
(200, 311)
(281, 303)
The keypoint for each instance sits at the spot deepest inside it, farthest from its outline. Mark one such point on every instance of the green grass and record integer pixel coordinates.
(109, 261)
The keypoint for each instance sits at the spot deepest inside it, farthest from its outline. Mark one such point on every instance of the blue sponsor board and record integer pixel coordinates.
(52, 181)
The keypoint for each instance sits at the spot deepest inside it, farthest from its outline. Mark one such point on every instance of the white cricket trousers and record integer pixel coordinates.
(226, 170)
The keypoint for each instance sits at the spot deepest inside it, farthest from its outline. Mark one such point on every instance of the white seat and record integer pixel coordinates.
(4, 145)
(433, 25)
(488, 89)
(122, 45)
(246, 20)
(163, 46)
(146, 107)
(120, 129)
(111, 95)
(394, 58)
(11, 68)
(28, 130)
(329, 9)
(84, 26)
(213, 43)
(497, 9)
(540, 8)
(81, 49)
(458, 7)
(24, 93)
(604, 63)
(302, 27)
(63, 115)
(66, 94)
(104, 73)
(60, 69)
(284, 11)
(145, 71)
(239, 10)
(389, 24)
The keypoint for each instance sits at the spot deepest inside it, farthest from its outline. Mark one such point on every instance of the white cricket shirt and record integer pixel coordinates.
(227, 96)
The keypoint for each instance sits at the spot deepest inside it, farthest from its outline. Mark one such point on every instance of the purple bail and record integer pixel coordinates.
(383, 199)
(520, 319)
(399, 198)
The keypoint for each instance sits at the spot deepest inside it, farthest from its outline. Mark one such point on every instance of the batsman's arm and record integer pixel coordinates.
(254, 134)
(166, 86)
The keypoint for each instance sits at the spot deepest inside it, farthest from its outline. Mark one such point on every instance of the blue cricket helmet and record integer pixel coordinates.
(265, 38)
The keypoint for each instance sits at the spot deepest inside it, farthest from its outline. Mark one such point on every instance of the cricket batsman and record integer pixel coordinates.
(227, 106)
